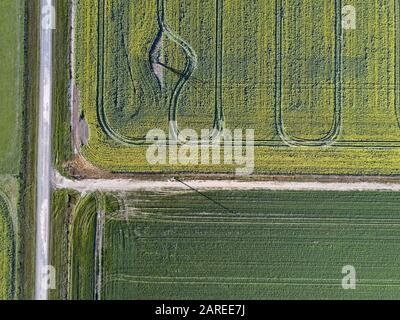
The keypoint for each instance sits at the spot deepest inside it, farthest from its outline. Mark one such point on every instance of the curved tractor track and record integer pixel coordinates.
(87, 227)
(191, 65)
(336, 126)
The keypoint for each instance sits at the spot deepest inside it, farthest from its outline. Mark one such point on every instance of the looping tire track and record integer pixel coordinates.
(335, 129)
(80, 226)
(191, 65)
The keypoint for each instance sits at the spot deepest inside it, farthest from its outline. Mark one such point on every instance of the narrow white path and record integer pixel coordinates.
(89, 185)
(44, 151)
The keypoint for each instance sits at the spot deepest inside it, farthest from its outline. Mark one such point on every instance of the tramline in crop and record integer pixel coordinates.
(289, 70)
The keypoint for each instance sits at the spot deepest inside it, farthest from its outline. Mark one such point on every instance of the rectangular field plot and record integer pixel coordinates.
(184, 61)
(10, 84)
(193, 34)
(308, 88)
(371, 75)
(248, 67)
(131, 103)
(255, 245)
(320, 97)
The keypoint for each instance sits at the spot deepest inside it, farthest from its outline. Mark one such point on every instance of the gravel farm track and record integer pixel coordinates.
(44, 155)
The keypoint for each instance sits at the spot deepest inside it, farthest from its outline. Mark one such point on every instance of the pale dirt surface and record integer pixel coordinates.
(115, 185)
(157, 59)
(81, 169)
(44, 156)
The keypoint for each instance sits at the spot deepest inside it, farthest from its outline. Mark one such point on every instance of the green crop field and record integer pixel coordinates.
(12, 91)
(320, 98)
(83, 249)
(7, 251)
(10, 84)
(73, 244)
(241, 245)
(63, 203)
(76, 251)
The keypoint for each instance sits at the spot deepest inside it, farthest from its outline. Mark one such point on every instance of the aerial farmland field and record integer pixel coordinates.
(7, 251)
(254, 245)
(11, 101)
(311, 86)
(10, 79)
(321, 99)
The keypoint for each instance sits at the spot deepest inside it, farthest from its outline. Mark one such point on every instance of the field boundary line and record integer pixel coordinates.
(88, 185)
(268, 217)
(242, 281)
(99, 243)
(182, 221)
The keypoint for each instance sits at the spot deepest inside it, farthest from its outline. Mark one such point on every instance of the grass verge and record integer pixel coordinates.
(61, 74)
(27, 205)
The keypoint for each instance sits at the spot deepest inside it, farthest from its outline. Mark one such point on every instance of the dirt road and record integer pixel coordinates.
(44, 150)
(110, 185)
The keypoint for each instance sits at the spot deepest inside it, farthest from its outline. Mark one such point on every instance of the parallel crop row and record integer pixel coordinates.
(254, 245)
(7, 252)
(82, 269)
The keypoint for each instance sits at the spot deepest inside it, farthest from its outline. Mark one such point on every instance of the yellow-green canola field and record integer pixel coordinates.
(320, 98)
